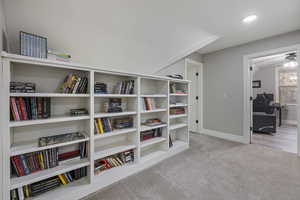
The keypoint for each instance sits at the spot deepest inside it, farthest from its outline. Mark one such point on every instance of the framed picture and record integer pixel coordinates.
(256, 84)
(33, 45)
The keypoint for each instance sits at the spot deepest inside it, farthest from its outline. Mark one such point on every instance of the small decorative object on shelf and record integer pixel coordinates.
(177, 111)
(79, 112)
(22, 87)
(30, 108)
(74, 84)
(100, 88)
(124, 87)
(153, 122)
(176, 90)
(56, 139)
(114, 105)
(54, 55)
(114, 161)
(170, 141)
(146, 135)
(33, 45)
(149, 103)
(176, 76)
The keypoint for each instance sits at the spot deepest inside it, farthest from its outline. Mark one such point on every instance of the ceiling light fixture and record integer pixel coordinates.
(291, 60)
(249, 19)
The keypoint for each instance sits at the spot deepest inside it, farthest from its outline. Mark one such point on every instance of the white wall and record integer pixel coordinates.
(179, 66)
(267, 77)
(223, 82)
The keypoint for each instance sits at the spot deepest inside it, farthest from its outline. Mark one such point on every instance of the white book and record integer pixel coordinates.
(21, 193)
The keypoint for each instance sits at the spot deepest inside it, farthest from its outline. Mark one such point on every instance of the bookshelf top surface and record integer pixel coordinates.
(47, 62)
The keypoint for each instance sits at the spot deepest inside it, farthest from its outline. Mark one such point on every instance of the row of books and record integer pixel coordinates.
(26, 164)
(22, 87)
(30, 108)
(33, 45)
(124, 87)
(114, 161)
(149, 103)
(71, 176)
(33, 162)
(75, 84)
(177, 111)
(104, 125)
(100, 88)
(146, 135)
(46, 185)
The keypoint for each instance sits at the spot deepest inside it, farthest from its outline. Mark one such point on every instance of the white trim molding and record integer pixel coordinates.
(225, 136)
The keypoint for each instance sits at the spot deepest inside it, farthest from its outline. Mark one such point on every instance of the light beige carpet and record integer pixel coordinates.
(214, 169)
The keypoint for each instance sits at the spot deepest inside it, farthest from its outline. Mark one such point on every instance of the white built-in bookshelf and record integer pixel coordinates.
(21, 137)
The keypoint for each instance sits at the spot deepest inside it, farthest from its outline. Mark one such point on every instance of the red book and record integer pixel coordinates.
(67, 155)
(23, 108)
(14, 108)
(18, 164)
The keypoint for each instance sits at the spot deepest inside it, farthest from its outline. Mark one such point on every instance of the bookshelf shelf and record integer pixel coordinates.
(174, 94)
(153, 111)
(178, 105)
(178, 116)
(152, 141)
(32, 146)
(111, 149)
(21, 137)
(177, 126)
(47, 121)
(146, 128)
(47, 95)
(17, 182)
(115, 133)
(101, 115)
(155, 95)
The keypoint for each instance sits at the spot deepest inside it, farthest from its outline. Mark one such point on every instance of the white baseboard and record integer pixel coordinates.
(225, 136)
(290, 122)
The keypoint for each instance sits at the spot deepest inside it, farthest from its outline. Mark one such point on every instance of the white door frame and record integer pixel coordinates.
(248, 88)
(200, 84)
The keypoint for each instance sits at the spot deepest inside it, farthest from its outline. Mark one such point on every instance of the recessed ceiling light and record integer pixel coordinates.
(249, 19)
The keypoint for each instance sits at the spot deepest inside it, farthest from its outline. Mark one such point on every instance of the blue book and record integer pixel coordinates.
(25, 166)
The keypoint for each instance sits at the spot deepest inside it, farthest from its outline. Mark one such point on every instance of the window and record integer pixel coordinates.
(288, 87)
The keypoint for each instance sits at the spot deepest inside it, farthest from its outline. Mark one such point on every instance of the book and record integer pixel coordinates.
(124, 87)
(61, 138)
(74, 84)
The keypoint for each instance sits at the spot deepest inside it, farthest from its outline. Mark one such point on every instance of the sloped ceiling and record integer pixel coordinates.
(128, 35)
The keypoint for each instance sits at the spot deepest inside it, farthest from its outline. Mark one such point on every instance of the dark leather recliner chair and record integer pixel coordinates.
(264, 116)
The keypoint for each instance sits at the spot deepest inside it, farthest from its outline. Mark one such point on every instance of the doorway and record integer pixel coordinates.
(194, 73)
(271, 111)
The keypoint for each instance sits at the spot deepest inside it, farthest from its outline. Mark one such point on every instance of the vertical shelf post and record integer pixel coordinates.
(139, 107)
(91, 135)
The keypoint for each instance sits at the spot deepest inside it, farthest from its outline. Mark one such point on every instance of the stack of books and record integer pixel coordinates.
(57, 56)
(33, 162)
(153, 122)
(125, 122)
(149, 103)
(79, 112)
(124, 87)
(175, 90)
(103, 125)
(114, 161)
(146, 135)
(74, 84)
(62, 138)
(177, 111)
(30, 108)
(71, 176)
(77, 154)
(114, 105)
(22, 87)
(100, 88)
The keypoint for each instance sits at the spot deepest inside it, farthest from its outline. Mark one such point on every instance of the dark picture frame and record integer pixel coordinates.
(256, 84)
(33, 45)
